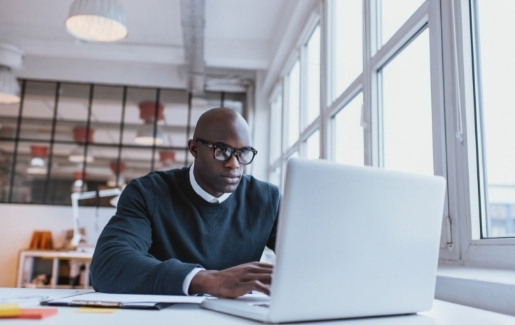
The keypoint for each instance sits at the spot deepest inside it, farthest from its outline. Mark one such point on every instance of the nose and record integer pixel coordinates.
(233, 162)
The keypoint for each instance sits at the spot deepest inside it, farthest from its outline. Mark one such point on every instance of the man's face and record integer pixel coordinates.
(214, 176)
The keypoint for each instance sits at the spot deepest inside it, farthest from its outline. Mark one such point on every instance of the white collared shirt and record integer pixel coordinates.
(211, 199)
(202, 193)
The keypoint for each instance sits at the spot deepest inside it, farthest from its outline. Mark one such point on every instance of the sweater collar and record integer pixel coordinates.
(203, 194)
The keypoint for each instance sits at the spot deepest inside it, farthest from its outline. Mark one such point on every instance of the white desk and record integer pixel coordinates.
(442, 313)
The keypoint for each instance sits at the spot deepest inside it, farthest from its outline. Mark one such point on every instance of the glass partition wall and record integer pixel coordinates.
(68, 137)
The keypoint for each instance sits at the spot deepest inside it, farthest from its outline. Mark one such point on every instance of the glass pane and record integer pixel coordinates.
(6, 156)
(62, 173)
(407, 118)
(313, 146)
(275, 129)
(141, 120)
(349, 141)
(394, 15)
(137, 162)
(313, 77)
(9, 119)
(347, 43)
(275, 177)
(175, 117)
(38, 110)
(106, 114)
(497, 69)
(293, 104)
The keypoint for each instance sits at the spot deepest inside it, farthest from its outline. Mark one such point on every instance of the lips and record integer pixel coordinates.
(233, 179)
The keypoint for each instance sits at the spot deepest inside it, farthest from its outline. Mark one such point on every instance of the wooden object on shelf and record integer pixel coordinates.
(41, 240)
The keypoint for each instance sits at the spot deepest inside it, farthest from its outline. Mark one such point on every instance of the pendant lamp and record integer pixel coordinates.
(145, 134)
(97, 21)
(10, 57)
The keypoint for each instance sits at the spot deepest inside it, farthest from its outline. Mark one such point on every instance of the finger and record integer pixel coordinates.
(261, 287)
(263, 278)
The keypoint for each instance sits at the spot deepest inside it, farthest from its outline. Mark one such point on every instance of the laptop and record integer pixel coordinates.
(352, 242)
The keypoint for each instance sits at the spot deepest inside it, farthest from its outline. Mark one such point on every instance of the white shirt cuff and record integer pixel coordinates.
(189, 277)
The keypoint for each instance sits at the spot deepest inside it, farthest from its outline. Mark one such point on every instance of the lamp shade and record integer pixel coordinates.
(145, 135)
(97, 20)
(37, 163)
(9, 88)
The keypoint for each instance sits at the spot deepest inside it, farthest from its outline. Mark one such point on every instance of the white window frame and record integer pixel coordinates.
(451, 64)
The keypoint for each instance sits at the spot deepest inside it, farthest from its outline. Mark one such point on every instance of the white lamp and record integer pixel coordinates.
(75, 209)
(97, 20)
(10, 57)
(149, 112)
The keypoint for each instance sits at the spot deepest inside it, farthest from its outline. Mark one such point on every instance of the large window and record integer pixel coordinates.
(67, 137)
(406, 109)
(496, 116)
(422, 87)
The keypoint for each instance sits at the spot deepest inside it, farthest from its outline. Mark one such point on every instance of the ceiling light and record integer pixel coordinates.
(145, 134)
(97, 20)
(10, 57)
(37, 163)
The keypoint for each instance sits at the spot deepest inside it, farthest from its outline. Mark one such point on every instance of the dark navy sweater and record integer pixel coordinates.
(162, 229)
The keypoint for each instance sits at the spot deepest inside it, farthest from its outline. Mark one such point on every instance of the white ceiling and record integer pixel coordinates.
(240, 38)
(238, 33)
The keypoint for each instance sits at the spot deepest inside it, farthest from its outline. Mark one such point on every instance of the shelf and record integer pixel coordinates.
(28, 265)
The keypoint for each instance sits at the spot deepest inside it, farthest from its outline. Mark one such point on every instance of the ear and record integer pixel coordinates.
(192, 146)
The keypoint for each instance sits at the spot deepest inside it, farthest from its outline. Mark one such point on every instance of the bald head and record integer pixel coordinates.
(221, 123)
(219, 128)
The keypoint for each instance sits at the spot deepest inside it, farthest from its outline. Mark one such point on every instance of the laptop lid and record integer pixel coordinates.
(353, 242)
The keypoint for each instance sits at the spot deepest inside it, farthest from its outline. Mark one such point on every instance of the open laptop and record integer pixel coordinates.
(352, 242)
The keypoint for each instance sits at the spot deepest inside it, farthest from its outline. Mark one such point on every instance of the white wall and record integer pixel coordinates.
(17, 222)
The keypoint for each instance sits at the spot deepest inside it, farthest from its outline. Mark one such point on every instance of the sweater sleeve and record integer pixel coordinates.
(121, 262)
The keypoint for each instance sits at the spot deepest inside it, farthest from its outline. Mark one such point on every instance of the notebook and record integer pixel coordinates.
(352, 242)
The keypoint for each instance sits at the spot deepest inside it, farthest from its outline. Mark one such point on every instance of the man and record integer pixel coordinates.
(196, 230)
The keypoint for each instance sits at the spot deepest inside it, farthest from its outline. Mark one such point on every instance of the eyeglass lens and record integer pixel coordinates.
(243, 156)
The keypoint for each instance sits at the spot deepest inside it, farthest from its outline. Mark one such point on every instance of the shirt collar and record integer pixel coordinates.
(203, 194)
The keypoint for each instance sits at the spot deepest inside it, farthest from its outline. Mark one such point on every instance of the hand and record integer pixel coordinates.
(233, 282)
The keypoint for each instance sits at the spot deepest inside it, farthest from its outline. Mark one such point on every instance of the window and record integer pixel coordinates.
(313, 146)
(312, 79)
(293, 104)
(348, 133)
(394, 13)
(495, 67)
(347, 43)
(406, 109)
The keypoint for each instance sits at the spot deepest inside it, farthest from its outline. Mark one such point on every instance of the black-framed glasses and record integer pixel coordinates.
(224, 153)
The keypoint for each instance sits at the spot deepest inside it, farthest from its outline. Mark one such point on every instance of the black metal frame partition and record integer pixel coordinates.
(53, 141)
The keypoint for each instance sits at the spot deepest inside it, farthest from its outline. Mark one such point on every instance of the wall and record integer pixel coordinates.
(17, 222)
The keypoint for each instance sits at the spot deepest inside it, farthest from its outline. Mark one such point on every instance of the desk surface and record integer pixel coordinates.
(442, 313)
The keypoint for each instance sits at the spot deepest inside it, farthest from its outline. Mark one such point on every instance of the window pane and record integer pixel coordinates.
(394, 15)
(38, 110)
(407, 118)
(347, 43)
(106, 114)
(313, 77)
(275, 177)
(293, 104)
(275, 129)
(497, 69)
(6, 156)
(313, 145)
(349, 142)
